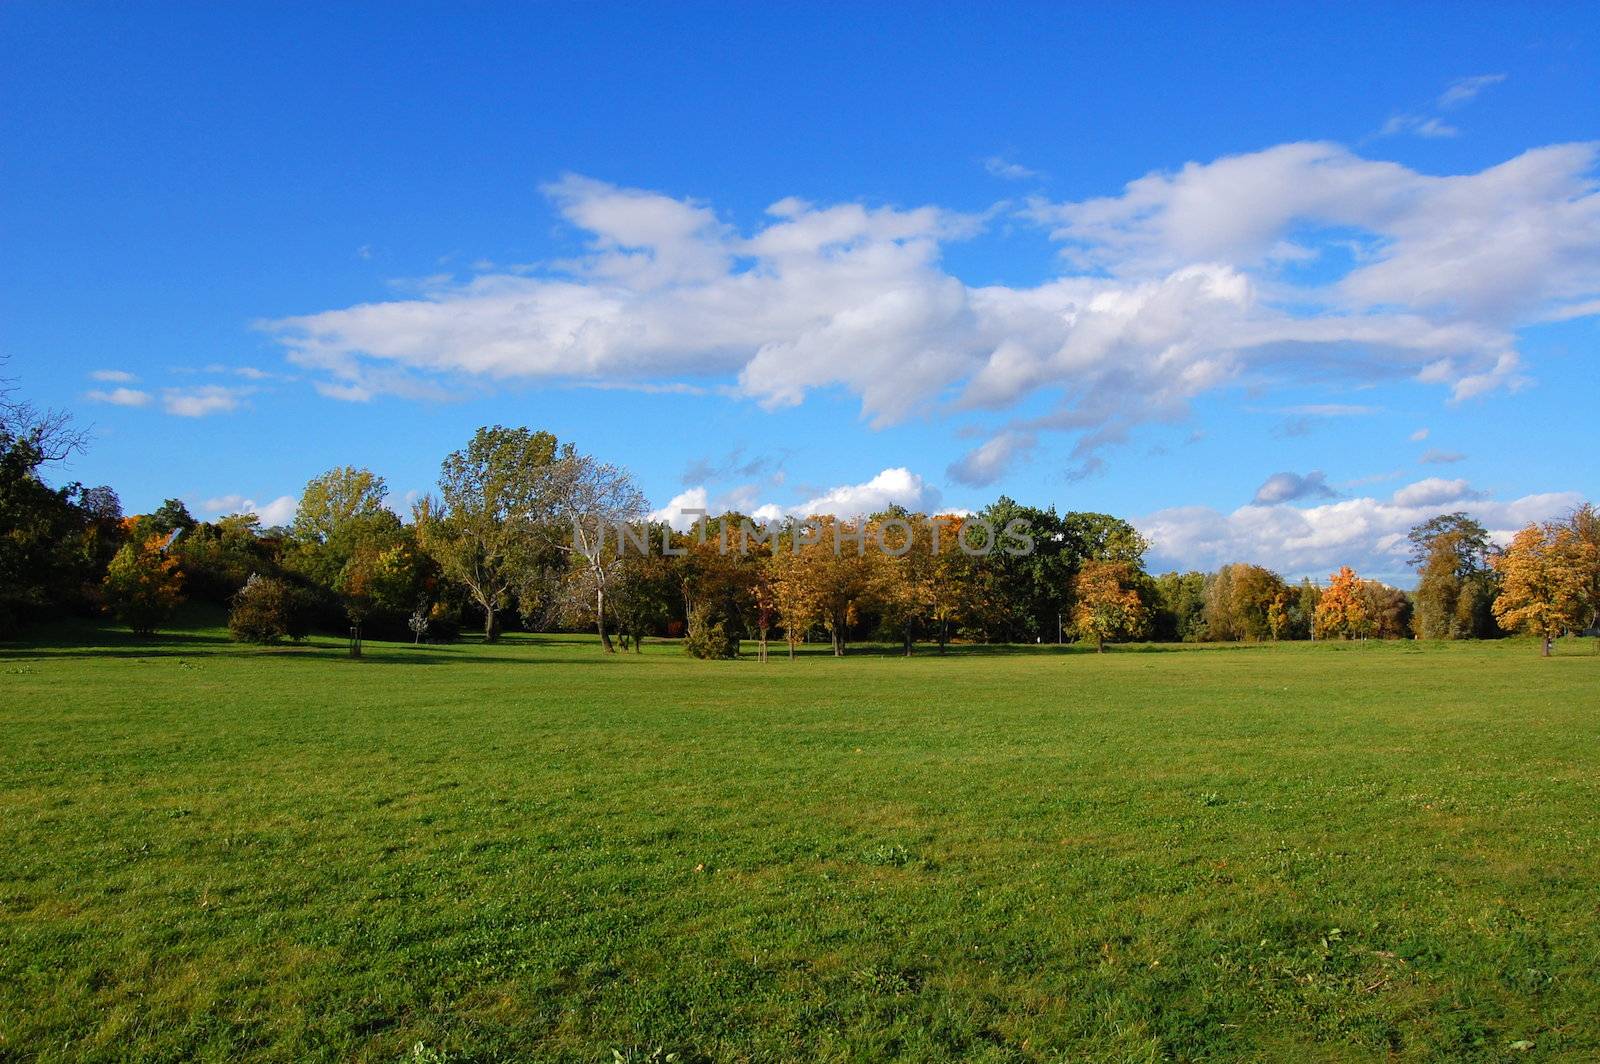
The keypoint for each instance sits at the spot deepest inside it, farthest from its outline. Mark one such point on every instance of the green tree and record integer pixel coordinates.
(51, 549)
(332, 502)
(490, 528)
(1452, 596)
(1178, 610)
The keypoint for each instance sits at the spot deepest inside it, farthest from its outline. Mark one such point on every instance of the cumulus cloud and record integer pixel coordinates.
(279, 511)
(684, 508)
(199, 402)
(1288, 487)
(119, 396)
(113, 376)
(1183, 283)
(896, 486)
(1366, 533)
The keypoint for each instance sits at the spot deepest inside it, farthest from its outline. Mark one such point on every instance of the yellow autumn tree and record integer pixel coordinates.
(1544, 583)
(1341, 611)
(792, 591)
(142, 585)
(1106, 605)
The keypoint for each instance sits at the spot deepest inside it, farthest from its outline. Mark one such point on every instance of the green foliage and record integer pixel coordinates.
(1457, 587)
(487, 530)
(51, 548)
(1464, 538)
(1177, 607)
(708, 636)
(171, 516)
(336, 500)
(217, 557)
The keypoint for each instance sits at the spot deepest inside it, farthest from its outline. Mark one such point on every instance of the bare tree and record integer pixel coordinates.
(597, 501)
(48, 432)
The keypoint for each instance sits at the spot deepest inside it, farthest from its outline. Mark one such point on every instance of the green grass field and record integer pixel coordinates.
(531, 852)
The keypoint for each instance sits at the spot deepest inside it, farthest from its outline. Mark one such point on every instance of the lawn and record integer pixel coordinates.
(533, 852)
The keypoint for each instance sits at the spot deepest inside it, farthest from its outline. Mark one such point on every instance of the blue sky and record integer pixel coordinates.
(1272, 284)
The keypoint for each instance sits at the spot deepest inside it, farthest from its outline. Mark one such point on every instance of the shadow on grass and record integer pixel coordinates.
(780, 651)
(82, 639)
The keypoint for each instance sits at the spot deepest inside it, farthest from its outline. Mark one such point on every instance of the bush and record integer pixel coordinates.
(266, 610)
(709, 638)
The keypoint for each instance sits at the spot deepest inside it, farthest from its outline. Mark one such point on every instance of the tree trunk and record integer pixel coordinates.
(1099, 644)
(1547, 642)
(763, 644)
(908, 641)
(944, 634)
(600, 619)
(491, 625)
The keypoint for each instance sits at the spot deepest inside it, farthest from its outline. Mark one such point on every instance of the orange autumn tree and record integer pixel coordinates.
(1106, 605)
(1543, 583)
(142, 585)
(1342, 610)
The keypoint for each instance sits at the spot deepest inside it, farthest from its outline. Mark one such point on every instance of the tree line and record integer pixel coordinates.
(524, 530)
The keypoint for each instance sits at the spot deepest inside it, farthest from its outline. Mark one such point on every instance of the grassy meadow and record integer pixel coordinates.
(532, 852)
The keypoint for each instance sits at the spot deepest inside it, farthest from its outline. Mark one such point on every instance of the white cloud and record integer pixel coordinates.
(201, 401)
(896, 486)
(1434, 491)
(1183, 283)
(119, 396)
(1419, 435)
(673, 513)
(113, 376)
(1435, 456)
(1366, 533)
(1000, 166)
(892, 486)
(279, 511)
(1420, 125)
(1463, 90)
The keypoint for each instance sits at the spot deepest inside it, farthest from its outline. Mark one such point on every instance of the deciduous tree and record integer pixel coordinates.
(143, 586)
(1341, 608)
(1544, 584)
(1106, 604)
(490, 527)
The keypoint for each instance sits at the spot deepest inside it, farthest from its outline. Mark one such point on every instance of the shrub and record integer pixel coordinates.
(709, 638)
(266, 610)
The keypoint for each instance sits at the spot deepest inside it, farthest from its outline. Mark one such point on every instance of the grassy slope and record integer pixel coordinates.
(532, 852)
